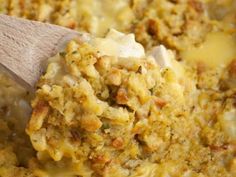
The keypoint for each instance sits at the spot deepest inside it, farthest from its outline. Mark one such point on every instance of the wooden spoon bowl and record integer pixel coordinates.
(25, 46)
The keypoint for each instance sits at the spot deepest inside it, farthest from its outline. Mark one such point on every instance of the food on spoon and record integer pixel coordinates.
(202, 139)
(110, 107)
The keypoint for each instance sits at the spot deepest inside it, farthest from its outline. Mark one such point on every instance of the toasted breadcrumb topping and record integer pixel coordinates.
(109, 115)
(99, 115)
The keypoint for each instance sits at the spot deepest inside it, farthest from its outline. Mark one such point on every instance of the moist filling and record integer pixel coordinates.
(114, 108)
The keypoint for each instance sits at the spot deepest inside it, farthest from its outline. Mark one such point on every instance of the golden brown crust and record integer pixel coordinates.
(116, 116)
(190, 130)
(183, 24)
(38, 115)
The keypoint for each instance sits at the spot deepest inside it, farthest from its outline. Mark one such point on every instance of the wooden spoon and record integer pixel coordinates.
(25, 46)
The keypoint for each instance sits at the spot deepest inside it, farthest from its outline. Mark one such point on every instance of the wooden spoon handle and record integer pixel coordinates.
(25, 45)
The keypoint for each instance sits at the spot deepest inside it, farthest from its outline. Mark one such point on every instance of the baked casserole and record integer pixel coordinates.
(157, 99)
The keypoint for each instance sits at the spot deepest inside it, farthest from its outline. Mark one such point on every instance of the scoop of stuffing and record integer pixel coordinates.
(122, 116)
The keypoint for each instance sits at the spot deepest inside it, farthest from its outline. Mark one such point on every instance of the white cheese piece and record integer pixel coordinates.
(166, 59)
(119, 44)
(161, 55)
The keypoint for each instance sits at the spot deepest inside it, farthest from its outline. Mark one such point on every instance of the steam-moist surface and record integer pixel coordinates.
(128, 117)
(15, 147)
(187, 27)
(177, 24)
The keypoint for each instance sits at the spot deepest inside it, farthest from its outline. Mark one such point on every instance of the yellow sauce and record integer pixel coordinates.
(218, 49)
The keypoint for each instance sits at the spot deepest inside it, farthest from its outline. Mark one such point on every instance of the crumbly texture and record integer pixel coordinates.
(118, 117)
(95, 17)
(194, 132)
(176, 24)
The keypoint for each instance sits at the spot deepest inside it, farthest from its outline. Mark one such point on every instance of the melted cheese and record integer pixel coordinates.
(161, 55)
(166, 59)
(119, 44)
(218, 49)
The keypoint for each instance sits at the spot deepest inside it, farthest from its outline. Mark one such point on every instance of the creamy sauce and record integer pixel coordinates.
(218, 49)
(119, 44)
(98, 16)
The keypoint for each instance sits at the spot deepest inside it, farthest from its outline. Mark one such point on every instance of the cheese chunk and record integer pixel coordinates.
(161, 56)
(118, 44)
(166, 59)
